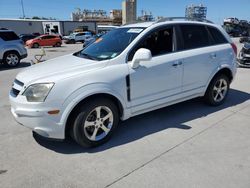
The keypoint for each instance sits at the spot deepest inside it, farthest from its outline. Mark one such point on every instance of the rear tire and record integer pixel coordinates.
(217, 90)
(58, 44)
(95, 122)
(11, 59)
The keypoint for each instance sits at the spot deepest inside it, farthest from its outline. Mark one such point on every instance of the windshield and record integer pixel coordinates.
(111, 44)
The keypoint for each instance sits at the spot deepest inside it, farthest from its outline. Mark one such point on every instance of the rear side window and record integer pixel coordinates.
(194, 36)
(218, 37)
(8, 36)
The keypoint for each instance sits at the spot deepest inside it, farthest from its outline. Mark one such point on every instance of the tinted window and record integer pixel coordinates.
(194, 36)
(159, 42)
(48, 37)
(218, 37)
(8, 35)
(111, 44)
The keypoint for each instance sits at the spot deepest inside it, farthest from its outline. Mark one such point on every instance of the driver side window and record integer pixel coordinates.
(159, 42)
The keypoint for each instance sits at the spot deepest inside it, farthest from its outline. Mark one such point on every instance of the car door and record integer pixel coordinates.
(199, 57)
(159, 80)
(43, 41)
(51, 41)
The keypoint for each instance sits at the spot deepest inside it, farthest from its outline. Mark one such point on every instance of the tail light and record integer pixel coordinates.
(234, 48)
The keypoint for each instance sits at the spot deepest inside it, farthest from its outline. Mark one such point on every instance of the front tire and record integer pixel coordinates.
(35, 45)
(95, 122)
(11, 59)
(217, 90)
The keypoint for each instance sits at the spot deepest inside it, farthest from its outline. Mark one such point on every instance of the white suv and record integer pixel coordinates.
(77, 37)
(129, 71)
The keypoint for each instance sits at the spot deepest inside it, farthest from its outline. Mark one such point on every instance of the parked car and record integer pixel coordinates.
(12, 49)
(90, 40)
(243, 23)
(244, 39)
(77, 37)
(231, 21)
(25, 37)
(44, 40)
(244, 56)
(36, 34)
(131, 70)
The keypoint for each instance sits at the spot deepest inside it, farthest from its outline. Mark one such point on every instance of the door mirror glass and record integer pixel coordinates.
(142, 54)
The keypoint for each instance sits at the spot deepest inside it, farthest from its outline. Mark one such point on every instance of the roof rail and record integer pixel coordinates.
(182, 18)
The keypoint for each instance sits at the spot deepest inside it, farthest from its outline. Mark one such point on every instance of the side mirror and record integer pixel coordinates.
(142, 54)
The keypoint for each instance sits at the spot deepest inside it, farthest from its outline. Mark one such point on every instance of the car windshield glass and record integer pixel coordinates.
(111, 44)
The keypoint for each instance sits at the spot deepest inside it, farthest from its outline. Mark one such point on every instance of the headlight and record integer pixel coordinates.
(38, 92)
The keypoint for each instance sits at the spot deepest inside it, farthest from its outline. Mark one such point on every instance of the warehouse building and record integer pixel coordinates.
(26, 26)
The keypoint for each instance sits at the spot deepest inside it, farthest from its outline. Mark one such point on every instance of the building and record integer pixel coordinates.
(99, 16)
(26, 26)
(196, 11)
(129, 8)
(146, 16)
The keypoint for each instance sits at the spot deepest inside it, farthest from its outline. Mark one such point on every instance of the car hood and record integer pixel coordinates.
(58, 69)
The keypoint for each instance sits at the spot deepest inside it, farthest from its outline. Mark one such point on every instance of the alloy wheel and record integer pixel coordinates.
(98, 123)
(12, 59)
(220, 90)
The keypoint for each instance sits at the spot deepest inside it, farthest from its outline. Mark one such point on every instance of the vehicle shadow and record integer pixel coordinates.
(140, 126)
(21, 65)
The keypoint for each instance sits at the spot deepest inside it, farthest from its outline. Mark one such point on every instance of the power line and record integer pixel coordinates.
(22, 8)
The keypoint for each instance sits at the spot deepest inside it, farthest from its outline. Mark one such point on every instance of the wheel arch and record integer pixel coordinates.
(223, 70)
(11, 50)
(70, 117)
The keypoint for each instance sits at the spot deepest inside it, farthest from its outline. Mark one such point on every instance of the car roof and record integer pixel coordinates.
(148, 24)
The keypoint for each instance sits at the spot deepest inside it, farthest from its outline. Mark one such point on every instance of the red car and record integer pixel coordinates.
(44, 40)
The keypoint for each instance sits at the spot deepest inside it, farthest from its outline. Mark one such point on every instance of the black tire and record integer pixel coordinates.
(213, 90)
(72, 41)
(11, 59)
(35, 45)
(58, 44)
(84, 135)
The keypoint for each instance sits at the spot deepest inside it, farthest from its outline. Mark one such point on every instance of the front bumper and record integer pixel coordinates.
(24, 56)
(36, 117)
(244, 62)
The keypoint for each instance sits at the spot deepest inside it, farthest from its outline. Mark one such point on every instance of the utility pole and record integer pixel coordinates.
(22, 8)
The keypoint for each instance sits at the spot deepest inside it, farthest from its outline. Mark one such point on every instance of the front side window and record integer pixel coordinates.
(159, 42)
(111, 44)
(194, 36)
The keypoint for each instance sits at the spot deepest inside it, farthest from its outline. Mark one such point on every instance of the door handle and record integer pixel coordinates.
(213, 55)
(177, 63)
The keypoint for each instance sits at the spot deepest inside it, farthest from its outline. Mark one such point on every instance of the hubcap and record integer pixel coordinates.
(98, 123)
(220, 90)
(12, 59)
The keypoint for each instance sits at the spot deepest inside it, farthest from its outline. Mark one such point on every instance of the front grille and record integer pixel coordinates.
(246, 51)
(15, 91)
(19, 82)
